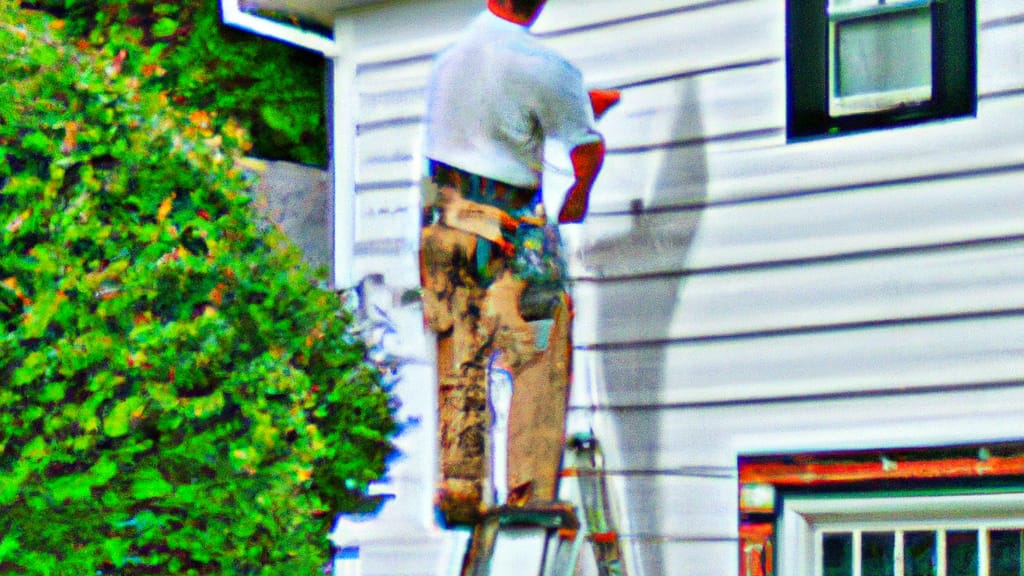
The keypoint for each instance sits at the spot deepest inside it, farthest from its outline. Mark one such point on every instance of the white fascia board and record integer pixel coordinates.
(234, 16)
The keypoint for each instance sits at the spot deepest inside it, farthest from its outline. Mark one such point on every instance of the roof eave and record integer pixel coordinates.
(233, 15)
(322, 11)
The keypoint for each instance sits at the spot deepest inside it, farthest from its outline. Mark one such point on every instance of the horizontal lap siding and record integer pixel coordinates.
(387, 154)
(710, 35)
(912, 284)
(736, 293)
(674, 557)
(896, 356)
(689, 439)
(704, 106)
(670, 556)
(852, 222)
(932, 150)
(681, 506)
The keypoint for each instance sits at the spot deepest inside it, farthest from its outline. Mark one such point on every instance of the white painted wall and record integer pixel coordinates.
(852, 292)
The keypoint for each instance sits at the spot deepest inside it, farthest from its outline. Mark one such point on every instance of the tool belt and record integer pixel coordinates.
(509, 222)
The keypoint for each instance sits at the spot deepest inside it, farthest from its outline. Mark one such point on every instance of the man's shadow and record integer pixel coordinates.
(637, 277)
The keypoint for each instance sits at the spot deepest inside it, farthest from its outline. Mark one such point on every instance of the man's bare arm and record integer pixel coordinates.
(586, 162)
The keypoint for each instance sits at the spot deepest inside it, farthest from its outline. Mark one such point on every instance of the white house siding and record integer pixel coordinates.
(735, 293)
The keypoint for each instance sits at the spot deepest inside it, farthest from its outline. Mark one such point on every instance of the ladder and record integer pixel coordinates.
(584, 462)
(546, 540)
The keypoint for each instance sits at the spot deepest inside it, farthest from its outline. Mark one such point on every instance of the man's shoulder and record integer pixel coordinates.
(512, 48)
(539, 59)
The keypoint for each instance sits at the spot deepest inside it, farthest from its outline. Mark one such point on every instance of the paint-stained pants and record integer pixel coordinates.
(480, 319)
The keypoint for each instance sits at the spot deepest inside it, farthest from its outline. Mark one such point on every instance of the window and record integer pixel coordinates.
(927, 535)
(939, 511)
(859, 64)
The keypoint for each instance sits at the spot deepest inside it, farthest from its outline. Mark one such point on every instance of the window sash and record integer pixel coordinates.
(983, 558)
(851, 11)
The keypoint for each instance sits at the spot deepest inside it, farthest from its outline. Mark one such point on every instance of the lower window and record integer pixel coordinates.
(949, 511)
(927, 535)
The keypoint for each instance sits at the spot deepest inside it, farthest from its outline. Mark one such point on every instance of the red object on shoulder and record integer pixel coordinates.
(602, 100)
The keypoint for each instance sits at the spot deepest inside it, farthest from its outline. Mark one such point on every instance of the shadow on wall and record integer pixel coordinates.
(653, 252)
(294, 196)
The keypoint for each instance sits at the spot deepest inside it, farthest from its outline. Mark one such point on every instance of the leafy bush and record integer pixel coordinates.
(176, 395)
(275, 91)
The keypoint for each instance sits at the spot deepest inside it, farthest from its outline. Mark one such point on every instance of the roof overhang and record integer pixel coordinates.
(245, 14)
(322, 11)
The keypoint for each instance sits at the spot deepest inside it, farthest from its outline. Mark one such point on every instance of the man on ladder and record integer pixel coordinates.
(493, 280)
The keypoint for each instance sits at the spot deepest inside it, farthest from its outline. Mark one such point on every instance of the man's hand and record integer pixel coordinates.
(586, 163)
(602, 100)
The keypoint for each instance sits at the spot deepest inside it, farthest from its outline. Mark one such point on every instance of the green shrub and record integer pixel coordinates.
(176, 395)
(275, 91)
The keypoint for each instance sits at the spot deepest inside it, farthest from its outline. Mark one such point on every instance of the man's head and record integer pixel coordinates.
(523, 12)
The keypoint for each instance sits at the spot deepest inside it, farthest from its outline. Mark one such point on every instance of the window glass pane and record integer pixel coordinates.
(884, 53)
(1004, 553)
(919, 554)
(876, 553)
(962, 553)
(838, 554)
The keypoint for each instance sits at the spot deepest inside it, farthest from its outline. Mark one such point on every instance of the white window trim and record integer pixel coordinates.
(861, 8)
(805, 518)
(879, 101)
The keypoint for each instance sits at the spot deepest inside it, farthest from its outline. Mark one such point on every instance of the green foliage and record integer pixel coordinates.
(275, 91)
(176, 396)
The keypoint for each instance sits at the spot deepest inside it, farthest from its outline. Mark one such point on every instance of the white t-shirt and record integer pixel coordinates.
(495, 95)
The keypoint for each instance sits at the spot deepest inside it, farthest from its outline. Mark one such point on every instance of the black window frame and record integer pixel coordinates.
(954, 71)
